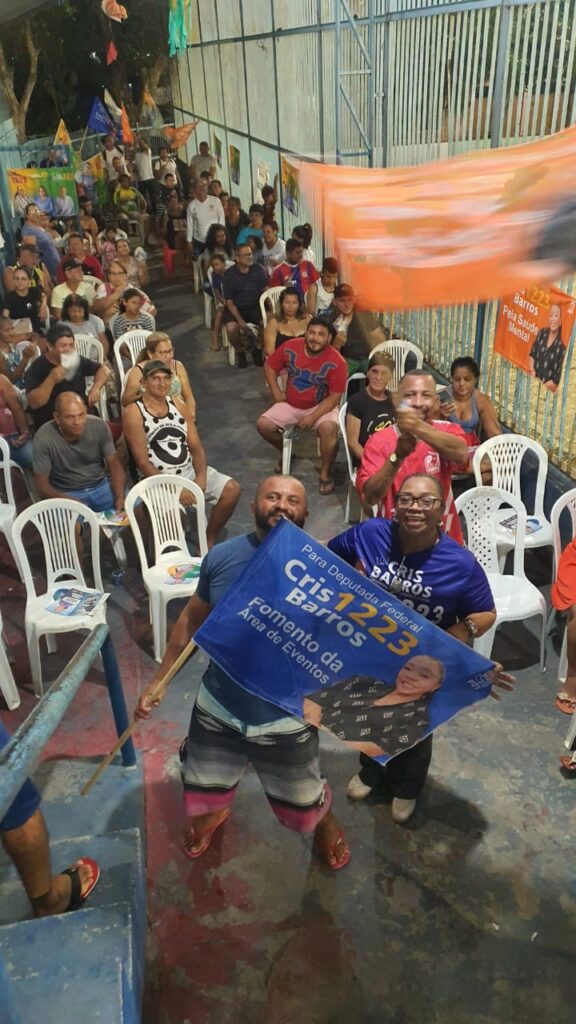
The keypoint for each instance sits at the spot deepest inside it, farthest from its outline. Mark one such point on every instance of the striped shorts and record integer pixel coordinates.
(215, 756)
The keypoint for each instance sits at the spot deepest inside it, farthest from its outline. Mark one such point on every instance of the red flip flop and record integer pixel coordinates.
(207, 836)
(568, 763)
(565, 703)
(77, 897)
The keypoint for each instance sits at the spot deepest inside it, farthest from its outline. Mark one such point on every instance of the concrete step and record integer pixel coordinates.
(110, 930)
(71, 968)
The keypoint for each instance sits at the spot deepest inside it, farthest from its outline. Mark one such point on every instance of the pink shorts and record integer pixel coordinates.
(284, 415)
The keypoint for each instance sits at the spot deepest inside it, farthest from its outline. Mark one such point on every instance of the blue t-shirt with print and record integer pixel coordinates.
(444, 583)
(220, 569)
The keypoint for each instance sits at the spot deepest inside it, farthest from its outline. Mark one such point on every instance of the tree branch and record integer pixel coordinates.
(33, 52)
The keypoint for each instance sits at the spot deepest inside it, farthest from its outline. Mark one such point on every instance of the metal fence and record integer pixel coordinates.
(390, 83)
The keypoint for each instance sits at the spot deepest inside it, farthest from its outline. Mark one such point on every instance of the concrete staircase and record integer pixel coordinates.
(86, 966)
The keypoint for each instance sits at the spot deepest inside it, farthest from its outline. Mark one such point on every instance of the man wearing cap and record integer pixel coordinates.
(357, 331)
(163, 438)
(74, 284)
(34, 234)
(28, 256)
(73, 456)
(317, 376)
(90, 265)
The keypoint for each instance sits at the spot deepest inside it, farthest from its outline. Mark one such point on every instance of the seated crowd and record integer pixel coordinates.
(311, 338)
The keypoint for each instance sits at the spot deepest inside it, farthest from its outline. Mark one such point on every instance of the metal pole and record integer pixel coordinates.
(500, 73)
(117, 700)
(22, 753)
(337, 80)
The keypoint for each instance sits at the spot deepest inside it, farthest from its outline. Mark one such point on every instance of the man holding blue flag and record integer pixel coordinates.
(230, 728)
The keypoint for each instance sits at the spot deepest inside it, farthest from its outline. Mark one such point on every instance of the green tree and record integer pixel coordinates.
(51, 59)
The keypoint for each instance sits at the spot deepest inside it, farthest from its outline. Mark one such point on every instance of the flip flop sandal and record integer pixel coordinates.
(207, 835)
(326, 486)
(568, 763)
(327, 852)
(77, 897)
(565, 703)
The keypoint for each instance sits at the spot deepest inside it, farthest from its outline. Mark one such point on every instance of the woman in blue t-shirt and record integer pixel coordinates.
(411, 558)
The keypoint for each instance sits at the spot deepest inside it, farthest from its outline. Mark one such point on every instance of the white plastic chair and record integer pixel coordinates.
(135, 342)
(7, 685)
(91, 348)
(8, 509)
(161, 497)
(355, 377)
(55, 520)
(399, 350)
(351, 468)
(272, 294)
(506, 453)
(515, 597)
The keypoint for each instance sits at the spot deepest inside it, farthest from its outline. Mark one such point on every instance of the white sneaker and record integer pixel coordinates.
(402, 810)
(356, 789)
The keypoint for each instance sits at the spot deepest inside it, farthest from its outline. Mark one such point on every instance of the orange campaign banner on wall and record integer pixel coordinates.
(467, 229)
(533, 330)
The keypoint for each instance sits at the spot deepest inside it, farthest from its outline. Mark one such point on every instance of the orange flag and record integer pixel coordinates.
(179, 136)
(127, 133)
(468, 229)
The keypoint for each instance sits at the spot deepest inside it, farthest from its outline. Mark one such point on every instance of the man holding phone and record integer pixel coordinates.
(62, 368)
(417, 443)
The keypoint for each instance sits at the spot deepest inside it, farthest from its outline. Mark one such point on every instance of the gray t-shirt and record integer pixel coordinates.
(72, 465)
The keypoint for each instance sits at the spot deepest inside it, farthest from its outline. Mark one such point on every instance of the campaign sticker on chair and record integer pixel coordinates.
(533, 329)
(302, 629)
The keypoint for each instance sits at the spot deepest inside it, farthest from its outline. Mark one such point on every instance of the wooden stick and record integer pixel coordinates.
(82, 143)
(157, 692)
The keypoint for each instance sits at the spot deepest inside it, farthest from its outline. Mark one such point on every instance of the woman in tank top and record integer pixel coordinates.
(159, 346)
(471, 409)
(291, 321)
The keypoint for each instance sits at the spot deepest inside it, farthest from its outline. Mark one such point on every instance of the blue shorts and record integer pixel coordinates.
(98, 498)
(25, 803)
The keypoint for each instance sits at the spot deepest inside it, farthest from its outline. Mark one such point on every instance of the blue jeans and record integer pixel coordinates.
(22, 456)
(99, 498)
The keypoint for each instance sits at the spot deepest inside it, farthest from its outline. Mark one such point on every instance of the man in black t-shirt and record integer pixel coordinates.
(61, 369)
(236, 218)
(371, 408)
(242, 286)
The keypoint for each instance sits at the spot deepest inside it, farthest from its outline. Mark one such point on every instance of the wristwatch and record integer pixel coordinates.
(471, 627)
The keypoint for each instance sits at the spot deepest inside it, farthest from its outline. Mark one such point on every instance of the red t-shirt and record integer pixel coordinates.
(90, 264)
(301, 276)
(310, 378)
(424, 459)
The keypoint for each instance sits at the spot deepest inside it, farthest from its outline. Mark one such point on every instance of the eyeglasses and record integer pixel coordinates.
(425, 502)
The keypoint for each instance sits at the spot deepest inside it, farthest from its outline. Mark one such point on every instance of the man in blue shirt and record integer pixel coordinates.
(34, 234)
(230, 728)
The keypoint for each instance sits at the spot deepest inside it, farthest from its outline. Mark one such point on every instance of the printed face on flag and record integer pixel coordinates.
(303, 630)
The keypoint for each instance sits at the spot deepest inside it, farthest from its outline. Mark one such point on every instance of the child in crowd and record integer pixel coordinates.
(108, 250)
(215, 283)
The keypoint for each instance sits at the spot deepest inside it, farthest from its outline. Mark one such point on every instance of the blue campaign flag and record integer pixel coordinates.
(99, 119)
(302, 629)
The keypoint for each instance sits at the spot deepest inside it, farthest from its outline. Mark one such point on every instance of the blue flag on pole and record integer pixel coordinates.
(305, 631)
(99, 119)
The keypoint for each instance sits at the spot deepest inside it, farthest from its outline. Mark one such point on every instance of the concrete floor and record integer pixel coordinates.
(465, 916)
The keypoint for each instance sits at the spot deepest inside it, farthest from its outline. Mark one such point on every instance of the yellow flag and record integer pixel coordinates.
(62, 137)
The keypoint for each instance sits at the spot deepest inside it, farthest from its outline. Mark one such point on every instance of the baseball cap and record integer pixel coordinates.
(70, 262)
(343, 291)
(155, 366)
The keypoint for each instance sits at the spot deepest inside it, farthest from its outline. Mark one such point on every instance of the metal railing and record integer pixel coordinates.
(19, 757)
